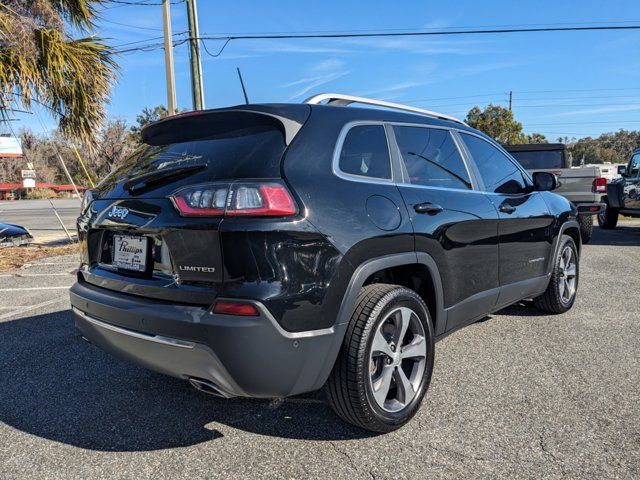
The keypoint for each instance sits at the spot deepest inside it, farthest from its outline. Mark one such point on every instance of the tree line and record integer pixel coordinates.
(499, 123)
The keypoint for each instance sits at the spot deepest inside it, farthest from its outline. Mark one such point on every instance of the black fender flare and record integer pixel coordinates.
(359, 276)
(563, 228)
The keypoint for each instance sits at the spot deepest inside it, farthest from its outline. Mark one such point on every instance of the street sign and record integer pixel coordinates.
(28, 173)
(10, 147)
(28, 183)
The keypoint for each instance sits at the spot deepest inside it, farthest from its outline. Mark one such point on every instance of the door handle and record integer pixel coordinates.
(506, 208)
(428, 208)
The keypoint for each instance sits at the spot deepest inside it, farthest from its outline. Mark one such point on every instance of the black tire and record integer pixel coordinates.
(350, 389)
(608, 218)
(554, 300)
(586, 227)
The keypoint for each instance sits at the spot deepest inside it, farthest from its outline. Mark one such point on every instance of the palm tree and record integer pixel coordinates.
(41, 62)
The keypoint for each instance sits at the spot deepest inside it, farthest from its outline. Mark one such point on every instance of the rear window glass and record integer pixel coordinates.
(541, 159)
(365, 152)
(228, 147)
(254, 152)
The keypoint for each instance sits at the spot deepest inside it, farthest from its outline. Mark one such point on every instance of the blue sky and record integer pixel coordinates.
(573, 84)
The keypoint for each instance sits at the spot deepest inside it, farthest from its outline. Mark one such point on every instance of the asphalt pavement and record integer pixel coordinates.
(39, 217)
(518, 395)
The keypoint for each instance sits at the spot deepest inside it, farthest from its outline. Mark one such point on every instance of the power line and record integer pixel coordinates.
(582, 123)
(400, 30)
(144, 4)
(219, 52)
(131, 26)
(229, 38)
(423, 33)
(635, 104)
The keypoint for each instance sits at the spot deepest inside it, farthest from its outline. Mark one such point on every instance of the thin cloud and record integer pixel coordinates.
(319, 74)
(591, 111)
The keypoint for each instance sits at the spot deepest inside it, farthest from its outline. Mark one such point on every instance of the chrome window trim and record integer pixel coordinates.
(335, 163)
(461, 152)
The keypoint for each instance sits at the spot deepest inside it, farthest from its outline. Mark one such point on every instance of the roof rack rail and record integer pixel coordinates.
(344, 100)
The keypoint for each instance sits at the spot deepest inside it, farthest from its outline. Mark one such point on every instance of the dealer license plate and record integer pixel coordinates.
(130, 252)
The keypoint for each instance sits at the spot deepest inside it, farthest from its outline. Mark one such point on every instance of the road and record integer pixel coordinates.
(38, 217)
(518, 395)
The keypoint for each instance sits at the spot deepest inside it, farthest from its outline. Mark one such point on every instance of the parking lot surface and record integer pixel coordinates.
(518, 395)
(38, 217)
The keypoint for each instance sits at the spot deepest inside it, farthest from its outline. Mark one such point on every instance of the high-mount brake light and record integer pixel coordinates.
(599, 185)
(256, 199)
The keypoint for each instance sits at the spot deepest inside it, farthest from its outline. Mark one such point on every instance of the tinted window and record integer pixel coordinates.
(498, 172)
(634, 165)
(228, 146)
(365, 152)
(540, 159)
(431, 157)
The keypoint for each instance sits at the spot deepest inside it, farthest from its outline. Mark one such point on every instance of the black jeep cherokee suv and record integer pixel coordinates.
(271, 250)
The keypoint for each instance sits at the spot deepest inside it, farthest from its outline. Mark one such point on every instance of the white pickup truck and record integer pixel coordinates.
(585, 186)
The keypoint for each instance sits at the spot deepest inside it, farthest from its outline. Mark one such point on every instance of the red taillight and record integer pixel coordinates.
(236, 308)
(267, 199)
(599, 185)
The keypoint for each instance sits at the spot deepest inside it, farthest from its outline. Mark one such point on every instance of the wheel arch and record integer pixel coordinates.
(372, 266)
(357, 281)
(571, 228)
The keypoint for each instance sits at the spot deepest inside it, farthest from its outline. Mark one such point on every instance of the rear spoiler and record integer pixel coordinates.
(201, 123)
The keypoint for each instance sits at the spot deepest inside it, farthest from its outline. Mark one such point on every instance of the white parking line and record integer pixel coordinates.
(66, 287)
(75, 262)
(19, 310)
(8, 275)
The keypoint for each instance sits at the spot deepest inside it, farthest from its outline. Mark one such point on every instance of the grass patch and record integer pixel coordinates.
(12, 258)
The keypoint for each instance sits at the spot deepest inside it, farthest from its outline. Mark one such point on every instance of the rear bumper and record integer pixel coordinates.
(241, 356)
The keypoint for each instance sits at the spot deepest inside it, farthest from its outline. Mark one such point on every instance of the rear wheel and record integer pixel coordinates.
(608, 218)
(385, 364)
(586, 227)
(563, 285)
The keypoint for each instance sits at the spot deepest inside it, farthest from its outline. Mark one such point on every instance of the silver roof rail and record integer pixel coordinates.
(344, 100)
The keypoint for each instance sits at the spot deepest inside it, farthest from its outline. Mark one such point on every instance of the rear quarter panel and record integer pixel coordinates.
(337, 207)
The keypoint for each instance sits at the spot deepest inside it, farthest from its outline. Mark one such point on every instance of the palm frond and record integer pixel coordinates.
(72, 77)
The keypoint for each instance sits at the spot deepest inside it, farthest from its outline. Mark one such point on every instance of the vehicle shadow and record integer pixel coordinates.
(524, 308)
(623, 235)
(55, 385)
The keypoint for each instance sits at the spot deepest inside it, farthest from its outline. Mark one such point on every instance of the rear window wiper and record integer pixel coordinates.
(159, 176)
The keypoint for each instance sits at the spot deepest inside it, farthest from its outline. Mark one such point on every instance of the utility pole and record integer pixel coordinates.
(510, 99)
(197, 90)
(168, 57)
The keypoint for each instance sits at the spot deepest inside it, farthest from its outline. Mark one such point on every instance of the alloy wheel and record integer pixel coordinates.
(568, 275)
(397, 359)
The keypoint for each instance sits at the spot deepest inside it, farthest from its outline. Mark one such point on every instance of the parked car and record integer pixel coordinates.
(271, 250)
(14, 235)
(623, 194)
(583, 186)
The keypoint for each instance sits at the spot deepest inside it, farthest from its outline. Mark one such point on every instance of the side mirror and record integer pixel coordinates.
(622, 169)
(544, 181)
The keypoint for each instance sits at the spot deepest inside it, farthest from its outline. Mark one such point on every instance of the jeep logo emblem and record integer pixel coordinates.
(118, 212)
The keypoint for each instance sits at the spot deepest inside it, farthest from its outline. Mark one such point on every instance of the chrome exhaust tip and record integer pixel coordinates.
(208, 387)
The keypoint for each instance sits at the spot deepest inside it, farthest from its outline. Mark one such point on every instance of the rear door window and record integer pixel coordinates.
(365, 152)
(498, 172)
(431, 158)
